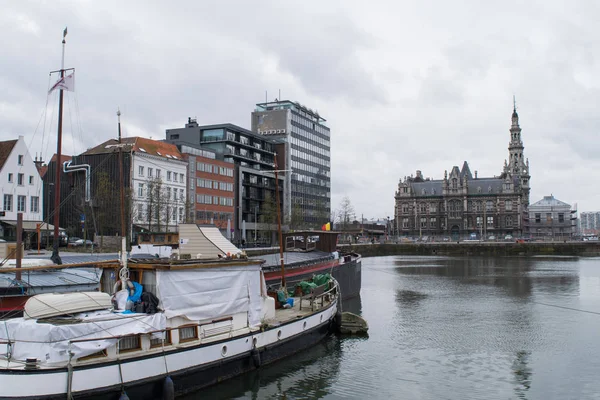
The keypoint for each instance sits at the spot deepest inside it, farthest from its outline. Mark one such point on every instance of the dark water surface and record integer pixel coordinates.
(453, 328)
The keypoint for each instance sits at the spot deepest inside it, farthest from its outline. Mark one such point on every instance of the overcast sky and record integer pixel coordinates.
(404, 86)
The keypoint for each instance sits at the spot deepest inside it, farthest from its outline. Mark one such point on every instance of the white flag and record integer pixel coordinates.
(65, 83)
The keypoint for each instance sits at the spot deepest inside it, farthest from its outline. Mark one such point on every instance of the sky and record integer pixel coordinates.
(404, 85)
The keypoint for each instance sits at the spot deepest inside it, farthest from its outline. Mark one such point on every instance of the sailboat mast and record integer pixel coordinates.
(59, 156)
(279, 225)
(123, 233)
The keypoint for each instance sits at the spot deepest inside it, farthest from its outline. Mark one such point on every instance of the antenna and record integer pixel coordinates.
(514, 103)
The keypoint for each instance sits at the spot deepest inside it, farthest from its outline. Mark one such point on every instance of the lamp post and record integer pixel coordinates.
(255, 222)
(49, 194)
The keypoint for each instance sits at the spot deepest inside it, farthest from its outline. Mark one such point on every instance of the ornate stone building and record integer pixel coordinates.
(462, 204)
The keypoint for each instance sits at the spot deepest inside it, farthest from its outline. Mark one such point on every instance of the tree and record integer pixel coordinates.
(345, 213)
(296, 220)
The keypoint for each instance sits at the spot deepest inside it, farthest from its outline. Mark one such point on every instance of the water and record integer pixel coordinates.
(453, 328)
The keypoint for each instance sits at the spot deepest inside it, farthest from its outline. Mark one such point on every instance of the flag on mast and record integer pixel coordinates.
(326, 227)
(65, 33)
(65, 83)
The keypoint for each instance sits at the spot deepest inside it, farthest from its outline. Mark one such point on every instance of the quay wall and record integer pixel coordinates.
(584, 249)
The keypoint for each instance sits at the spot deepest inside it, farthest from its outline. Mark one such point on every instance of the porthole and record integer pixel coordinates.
(224, 351)
(278, 334)
(304, 325)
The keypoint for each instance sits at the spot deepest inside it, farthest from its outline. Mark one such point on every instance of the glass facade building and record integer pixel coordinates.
(303, 146)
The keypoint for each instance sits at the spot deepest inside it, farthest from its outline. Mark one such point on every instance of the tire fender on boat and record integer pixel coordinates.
(118, 284)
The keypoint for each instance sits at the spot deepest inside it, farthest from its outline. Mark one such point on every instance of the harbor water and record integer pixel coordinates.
(452, 328)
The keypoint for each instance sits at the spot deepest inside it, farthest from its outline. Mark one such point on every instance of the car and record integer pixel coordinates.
(492, 237)
(508, 237)
(81, 242)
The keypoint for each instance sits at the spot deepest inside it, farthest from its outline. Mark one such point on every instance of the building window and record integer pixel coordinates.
(423, 222)
(405, 208)
(31, 179)
(454, 183)
(405, 223)
(150, 172)
(140, 190)
(432, 208)
(20, 179)
(141, 170)
(35, 204)
(181, 195)
(8, 202)
(169, 176)
(10, 177)
(509, 221)
(140, 212)
(180, 214)
(432, 222)
(508, 205)
(478, 206)
(490, 221)
(169, 193)
(20, 159)
(21, 203)
(489, 205)
(561, 218)
(158, 173)
(181, 178)
(479, 221)
(423, 208)
(174, 176)
(538, 218)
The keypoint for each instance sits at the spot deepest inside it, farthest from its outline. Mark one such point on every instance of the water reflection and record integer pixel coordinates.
(308, 374)
(522, 373)
(516, 276)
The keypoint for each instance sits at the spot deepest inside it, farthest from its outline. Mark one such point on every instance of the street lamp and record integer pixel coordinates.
(255, 222)
(49, 194)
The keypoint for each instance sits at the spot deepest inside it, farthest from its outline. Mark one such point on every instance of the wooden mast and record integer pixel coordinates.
(55, 256)
(122, 194)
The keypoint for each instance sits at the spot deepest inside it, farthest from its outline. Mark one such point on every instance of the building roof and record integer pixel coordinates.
(5, 150)
(481, 186)
(139, 145)
(549, 201)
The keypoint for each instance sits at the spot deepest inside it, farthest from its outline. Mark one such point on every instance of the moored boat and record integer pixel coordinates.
(215, 320)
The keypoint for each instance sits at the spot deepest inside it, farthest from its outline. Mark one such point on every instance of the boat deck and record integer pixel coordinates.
(284, 315)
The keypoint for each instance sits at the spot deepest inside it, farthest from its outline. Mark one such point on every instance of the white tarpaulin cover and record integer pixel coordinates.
(49, 343)
(209, 293)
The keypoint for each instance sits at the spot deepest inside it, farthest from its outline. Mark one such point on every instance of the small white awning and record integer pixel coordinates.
(32, 225)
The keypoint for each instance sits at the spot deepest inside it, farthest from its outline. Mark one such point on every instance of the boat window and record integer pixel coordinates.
(157, 341)
(129, 343)
(101, 353)
(188, 333)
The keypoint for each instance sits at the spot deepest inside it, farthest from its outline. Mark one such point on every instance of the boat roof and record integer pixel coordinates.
(52, 278)
(292, 258)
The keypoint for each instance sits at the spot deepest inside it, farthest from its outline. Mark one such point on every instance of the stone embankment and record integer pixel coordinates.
(584, 249)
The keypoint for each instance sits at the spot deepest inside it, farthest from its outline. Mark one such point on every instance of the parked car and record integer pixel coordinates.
(492, 237)
(81, 242)
(508, 237)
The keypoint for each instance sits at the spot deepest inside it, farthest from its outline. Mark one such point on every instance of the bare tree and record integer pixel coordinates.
(345, 213)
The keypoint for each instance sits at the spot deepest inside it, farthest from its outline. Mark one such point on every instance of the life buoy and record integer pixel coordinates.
(118, 284)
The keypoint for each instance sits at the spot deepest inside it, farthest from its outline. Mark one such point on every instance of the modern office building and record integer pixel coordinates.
(303, 145)
(552, 218)
(589, 223)
(462, 204)
(252, 156)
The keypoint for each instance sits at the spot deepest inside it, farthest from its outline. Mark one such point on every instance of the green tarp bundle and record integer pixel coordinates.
(317, 280)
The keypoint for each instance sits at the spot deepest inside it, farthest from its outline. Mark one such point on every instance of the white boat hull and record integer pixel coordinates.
(191, 368)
